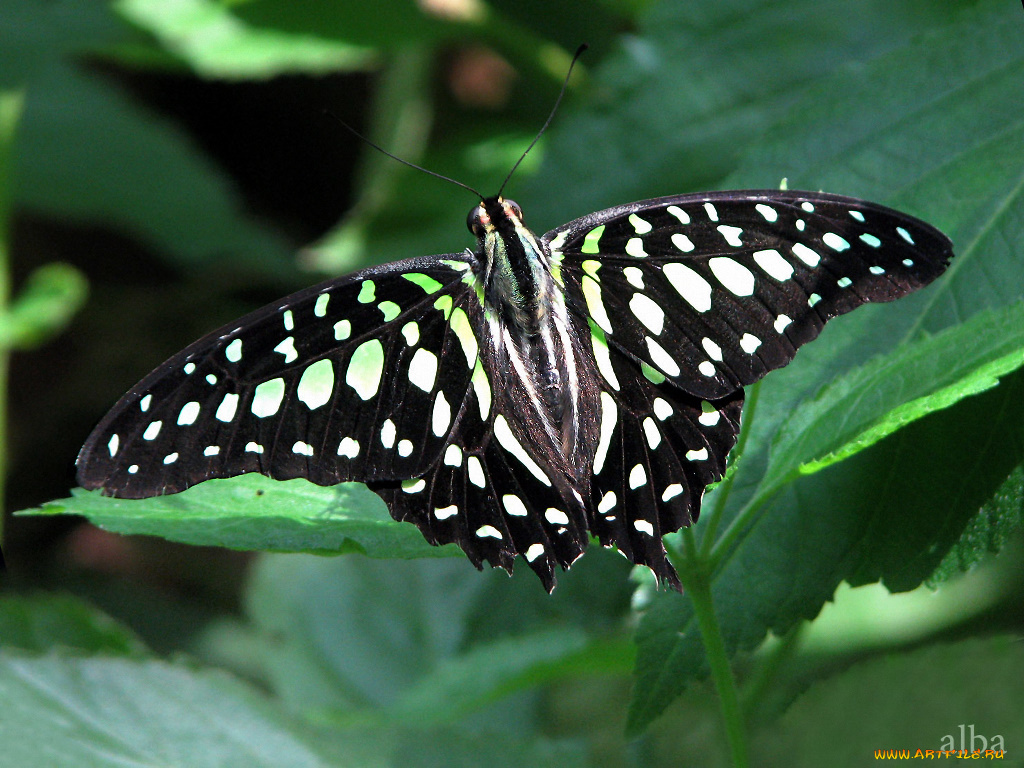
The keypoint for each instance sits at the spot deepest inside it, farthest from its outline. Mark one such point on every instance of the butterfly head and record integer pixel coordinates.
(494, 214)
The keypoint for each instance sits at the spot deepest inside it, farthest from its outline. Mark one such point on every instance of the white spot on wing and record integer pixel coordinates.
(806, 255)
(662, 409)
(414, 485)
(648, 312)
(233, 351)
(226, 409)
(443, 513)
(349, 448)
(634, 276)
(683, 243)
(441, 418)
(508, 441)
(514, 505)
(661, 358)
(637, 477)
(644, 527)
(690, 285)
(671, 491)
(635, 247)
(556, 516)
(476, 472)
(679, 213)
(609, 417)
(771, 261)
(709, 416)
(834, 241)
(188, 414)
(731, 235)
(287, 348)
(749, 343)
(388, 433)
(734, 276)
(652, 433)
(423, 369)
(453, 456)
(714, 351)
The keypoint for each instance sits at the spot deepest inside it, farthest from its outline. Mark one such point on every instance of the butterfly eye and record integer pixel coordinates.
(475, 220)
(515, 209)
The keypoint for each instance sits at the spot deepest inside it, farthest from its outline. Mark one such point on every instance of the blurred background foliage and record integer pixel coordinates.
(175, 155)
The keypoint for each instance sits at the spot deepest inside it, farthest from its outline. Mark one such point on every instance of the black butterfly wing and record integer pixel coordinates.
(716, 289)
(340, 381)
(381, 377)
(687, 299)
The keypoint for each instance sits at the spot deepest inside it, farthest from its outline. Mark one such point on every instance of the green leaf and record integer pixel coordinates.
(674, 106)
(890, 512)
(61, 711)
(52, 295)
(350, 633)
(217, 43)
(89, 153)
(999, 520)
(873, 401)
(42, 621)
(488, 672)
(904, 702)
(385, 24)
(861, 521)
(254, 512)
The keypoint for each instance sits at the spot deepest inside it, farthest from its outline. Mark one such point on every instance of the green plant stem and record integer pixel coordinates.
(11, 103)
(698, 586)
(753, 395)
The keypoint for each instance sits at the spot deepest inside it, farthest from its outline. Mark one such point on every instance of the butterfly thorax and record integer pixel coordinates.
(532, 337)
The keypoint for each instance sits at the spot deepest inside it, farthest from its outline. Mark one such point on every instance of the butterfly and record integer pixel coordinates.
(526, 394)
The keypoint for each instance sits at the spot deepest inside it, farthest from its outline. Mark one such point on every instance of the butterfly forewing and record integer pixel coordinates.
(715, 290)
(342, 381)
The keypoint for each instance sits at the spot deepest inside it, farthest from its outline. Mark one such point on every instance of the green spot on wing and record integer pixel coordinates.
(460, 324)
(590, 241)
(316, 384)
(444, 304)
(266, 400)
(426, 282)
(390, 310)
(367, 292)
(365, 368)
(651, 374)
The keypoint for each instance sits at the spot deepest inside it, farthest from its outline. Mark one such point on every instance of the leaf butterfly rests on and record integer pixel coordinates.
(521, 396)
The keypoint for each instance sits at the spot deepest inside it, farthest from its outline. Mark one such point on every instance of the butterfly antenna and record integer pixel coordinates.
(551, 116)
(383, 151)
